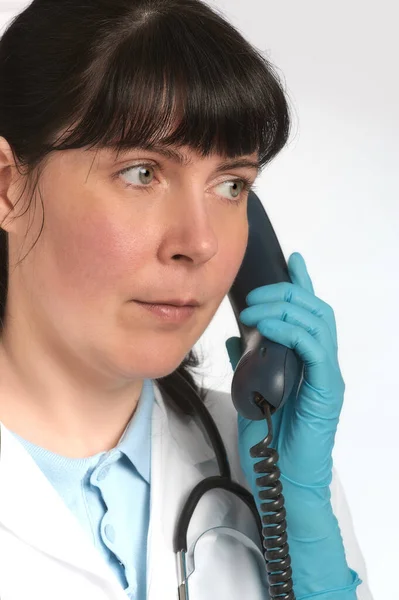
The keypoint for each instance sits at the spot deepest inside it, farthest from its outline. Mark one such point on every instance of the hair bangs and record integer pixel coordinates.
(196, 93)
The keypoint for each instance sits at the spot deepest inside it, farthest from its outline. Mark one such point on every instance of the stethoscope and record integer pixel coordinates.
(222, 481)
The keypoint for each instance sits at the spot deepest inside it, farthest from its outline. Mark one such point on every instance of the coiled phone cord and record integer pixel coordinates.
(278, 560)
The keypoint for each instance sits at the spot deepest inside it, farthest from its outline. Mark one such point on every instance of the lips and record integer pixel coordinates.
(169, 313)
(171, 302)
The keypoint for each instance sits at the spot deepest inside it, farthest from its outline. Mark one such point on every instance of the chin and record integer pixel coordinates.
(148, 366)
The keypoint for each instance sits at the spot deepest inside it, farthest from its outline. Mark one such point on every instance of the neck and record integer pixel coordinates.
(62, 404)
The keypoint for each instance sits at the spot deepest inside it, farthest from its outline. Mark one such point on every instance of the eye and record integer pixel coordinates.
(245, 185)
(142, 175)
(143, 171)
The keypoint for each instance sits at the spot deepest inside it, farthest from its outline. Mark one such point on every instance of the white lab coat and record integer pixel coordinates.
(46, 555)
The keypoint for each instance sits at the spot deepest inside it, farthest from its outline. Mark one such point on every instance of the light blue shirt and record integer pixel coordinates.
(109, 494)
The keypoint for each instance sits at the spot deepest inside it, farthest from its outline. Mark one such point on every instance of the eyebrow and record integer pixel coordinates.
(185, 161)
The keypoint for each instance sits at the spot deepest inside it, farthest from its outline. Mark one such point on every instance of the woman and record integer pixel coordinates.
(121, 117)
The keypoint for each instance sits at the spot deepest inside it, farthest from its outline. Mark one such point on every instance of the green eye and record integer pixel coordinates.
(143, 177)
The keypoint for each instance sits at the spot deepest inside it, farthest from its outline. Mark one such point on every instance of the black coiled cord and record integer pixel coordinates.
(278, 560)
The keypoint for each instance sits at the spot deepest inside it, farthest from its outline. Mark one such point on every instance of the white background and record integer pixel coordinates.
(332, 195)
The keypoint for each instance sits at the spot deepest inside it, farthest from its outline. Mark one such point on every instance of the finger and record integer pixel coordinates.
(320, 372)
(294, 315)
(298, 272)
(294, 294)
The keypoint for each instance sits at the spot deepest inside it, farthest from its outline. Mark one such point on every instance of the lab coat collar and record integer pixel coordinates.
(33, 510)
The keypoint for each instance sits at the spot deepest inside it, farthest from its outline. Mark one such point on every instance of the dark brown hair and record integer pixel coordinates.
(118, 73)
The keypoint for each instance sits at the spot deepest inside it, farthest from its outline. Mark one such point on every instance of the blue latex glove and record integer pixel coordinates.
(303, 430)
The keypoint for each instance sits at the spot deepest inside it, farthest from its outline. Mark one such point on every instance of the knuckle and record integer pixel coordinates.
(329, 310)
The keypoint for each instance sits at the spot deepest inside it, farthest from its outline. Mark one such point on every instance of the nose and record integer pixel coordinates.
(193, 232)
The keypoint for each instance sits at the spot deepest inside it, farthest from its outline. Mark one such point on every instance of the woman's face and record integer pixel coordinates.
(176, 232)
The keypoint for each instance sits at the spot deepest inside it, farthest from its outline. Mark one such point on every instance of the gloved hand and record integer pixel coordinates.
(303, 430)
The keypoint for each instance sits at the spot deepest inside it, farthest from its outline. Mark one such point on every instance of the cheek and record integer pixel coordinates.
(92, 257)
(233, 256)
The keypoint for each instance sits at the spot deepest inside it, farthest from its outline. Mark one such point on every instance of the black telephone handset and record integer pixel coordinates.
(266, 375)
(269, 368)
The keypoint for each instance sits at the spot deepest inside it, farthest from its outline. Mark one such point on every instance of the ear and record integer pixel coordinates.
(7, 171)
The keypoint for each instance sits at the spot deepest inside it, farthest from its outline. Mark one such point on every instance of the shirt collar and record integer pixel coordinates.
(135, 442)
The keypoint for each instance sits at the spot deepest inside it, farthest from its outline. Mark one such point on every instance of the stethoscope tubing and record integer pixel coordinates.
(222, 481)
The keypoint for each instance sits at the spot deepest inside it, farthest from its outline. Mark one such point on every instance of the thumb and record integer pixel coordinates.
(233, 346)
